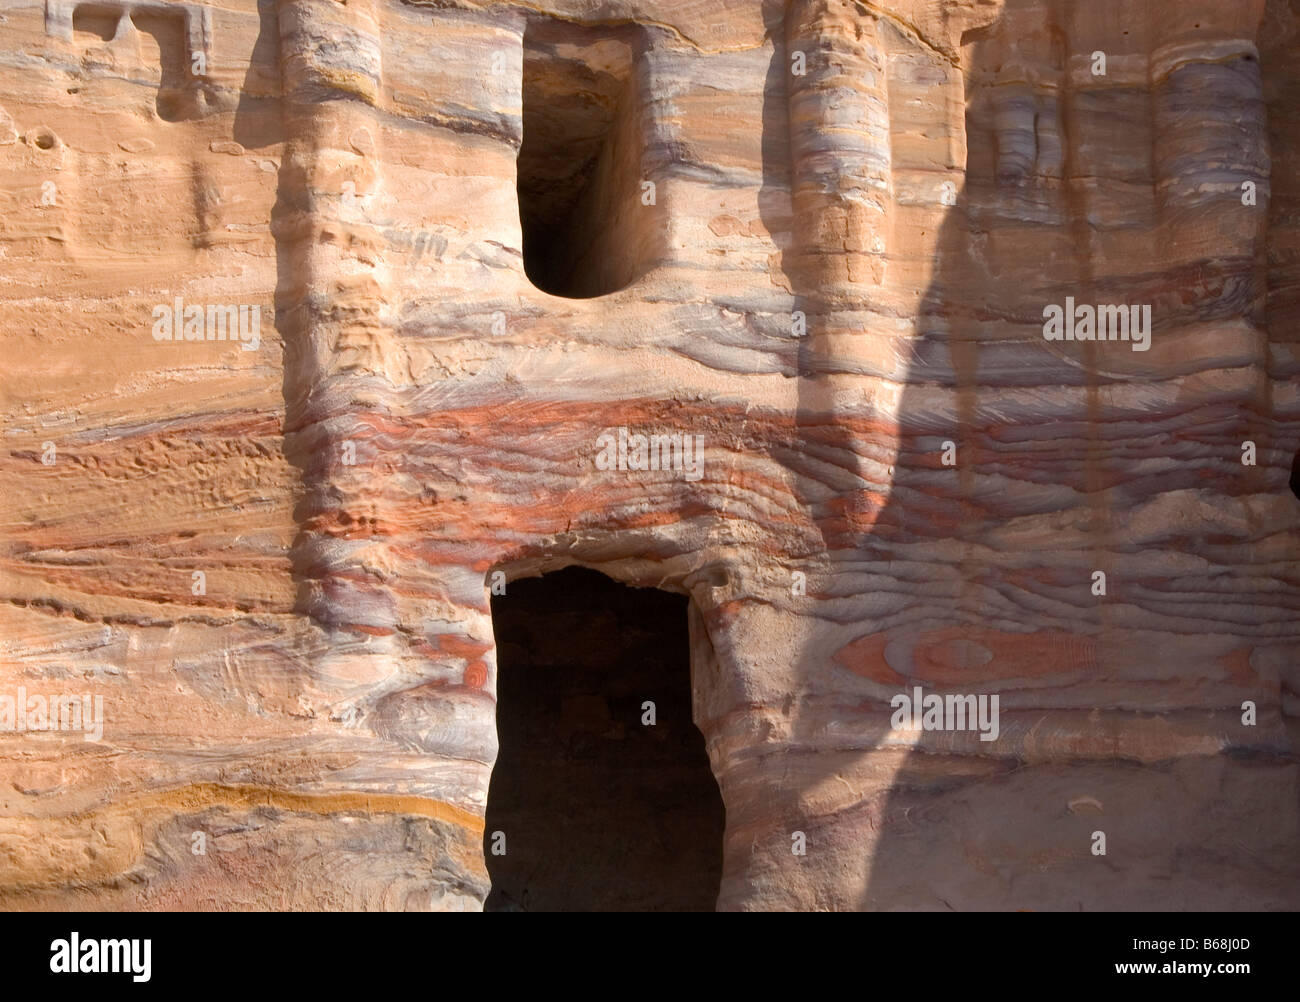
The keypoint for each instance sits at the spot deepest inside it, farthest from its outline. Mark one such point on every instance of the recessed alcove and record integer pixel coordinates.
(586, 232)
(93, 23)
(599, 810)
(145, 44)
(164, 58)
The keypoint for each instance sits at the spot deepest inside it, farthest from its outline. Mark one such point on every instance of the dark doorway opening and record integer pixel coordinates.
(1295, 476)
(599, 811)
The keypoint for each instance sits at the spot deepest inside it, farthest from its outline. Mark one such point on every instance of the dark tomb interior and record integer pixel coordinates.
(599, 812)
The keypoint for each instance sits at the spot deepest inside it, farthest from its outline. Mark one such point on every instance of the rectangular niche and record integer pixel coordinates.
(586, 232)
(165, 46)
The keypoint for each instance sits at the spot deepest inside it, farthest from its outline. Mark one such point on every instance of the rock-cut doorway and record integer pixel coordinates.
(602, 798)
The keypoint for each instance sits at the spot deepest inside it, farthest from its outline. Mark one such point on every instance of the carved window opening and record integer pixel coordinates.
(579, 168)
(599, 811)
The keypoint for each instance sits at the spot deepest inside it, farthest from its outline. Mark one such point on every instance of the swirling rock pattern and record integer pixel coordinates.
(820, 235)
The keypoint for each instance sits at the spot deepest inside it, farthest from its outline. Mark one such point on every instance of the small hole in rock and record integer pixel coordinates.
(1295, 476)
(44, 140)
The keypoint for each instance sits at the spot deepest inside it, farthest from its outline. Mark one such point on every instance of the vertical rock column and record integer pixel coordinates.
(1201, 161)
(1199, 157)
(1210, 142)
(840, 148)
(331, 312)
(392, 670)
(841, 191)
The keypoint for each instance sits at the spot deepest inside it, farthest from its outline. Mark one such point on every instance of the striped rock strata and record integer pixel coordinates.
(819, 235)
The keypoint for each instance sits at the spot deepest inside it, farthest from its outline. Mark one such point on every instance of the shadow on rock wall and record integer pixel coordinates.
(1117, 713)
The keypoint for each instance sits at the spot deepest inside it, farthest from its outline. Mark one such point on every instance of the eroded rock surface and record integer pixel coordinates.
(820, 236)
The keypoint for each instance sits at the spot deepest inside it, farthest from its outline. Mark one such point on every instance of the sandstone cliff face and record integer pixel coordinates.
(819, 235)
